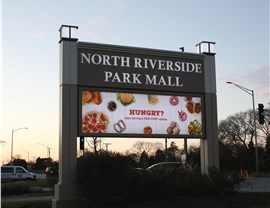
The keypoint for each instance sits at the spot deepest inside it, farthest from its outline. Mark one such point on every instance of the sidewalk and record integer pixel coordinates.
(256, 185)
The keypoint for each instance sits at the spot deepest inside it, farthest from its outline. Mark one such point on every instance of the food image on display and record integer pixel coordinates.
(190, 107)
(173, 128)
(93, 97)
(147, 130)
(112, 106)
(188, 98)
(197, 107)
(120, 126)
(194, 127)
(86, 97)
(174, 100)
(152, 99)
(182, 115)
(193, 107)
(126, 98)
(95, 122)
(151, 115)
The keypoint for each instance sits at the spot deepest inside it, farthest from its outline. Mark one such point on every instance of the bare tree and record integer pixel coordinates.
(236, 129)
(148, 147)
(93, 144)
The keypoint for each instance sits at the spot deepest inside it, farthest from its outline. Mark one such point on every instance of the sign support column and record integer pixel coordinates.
(64, 196)
(209, 146)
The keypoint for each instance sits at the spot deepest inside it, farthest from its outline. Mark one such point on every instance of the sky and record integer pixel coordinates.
(30, 55)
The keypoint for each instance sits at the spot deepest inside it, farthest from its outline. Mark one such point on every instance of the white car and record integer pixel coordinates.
(16, 173)
(168, 167)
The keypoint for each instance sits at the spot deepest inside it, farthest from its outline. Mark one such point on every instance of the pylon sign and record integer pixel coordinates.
(137, 92)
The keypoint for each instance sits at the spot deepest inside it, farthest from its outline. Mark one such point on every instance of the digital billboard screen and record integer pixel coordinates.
(130, 114)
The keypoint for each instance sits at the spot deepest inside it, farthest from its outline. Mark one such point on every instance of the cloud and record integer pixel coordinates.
(38, 34)
(257, 80)
(98, 20)
(119, 5)
(90, 34)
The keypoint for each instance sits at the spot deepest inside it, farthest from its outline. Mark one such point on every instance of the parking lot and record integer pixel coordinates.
(256, 185)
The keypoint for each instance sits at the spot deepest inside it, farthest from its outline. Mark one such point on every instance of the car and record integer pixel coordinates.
(168, 167)
(16, 173)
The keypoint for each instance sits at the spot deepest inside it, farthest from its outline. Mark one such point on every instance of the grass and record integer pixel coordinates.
(21, 187)
(261, 174)
(37, 183)
(28, 204)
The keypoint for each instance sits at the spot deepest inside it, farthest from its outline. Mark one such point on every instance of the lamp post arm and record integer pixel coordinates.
(244, 89)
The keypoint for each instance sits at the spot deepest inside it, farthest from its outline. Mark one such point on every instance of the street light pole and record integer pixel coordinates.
(48, 150)
(251, 92)
(13, 130)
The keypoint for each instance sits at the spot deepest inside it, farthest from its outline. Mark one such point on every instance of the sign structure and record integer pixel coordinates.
(134, 92)
(113, 91)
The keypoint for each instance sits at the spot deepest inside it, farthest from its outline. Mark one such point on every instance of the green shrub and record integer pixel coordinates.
(102, 177)
(107, 178)
(14, 188)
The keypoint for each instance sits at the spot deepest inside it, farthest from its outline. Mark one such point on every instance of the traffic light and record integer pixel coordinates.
(81, 143)
(261, 113)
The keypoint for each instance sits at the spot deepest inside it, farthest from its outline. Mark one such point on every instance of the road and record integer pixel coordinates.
(256, 185)
(25, 197)
(41, 176)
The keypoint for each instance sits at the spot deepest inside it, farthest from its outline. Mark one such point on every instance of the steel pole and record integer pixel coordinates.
(11, 156)
(255, 129)
(251, 92)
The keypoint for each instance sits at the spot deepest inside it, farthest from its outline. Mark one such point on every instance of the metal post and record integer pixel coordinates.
(166, 148)
(13, 130)
(107, 144)
(11, 163)
(255, 129)
(251, 92)
(185, 146)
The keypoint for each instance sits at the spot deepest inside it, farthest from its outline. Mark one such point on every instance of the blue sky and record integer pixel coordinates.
(30, 53)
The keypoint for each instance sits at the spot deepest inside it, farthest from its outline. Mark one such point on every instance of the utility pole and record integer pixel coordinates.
(48, 150)
(185, 146)
(166, 148)
(107, 144)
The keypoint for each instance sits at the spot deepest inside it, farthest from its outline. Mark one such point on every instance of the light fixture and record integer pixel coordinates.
(68, 32)
(206, 47)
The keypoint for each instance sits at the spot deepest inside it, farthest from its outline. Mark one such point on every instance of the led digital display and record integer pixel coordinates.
(148, 115)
